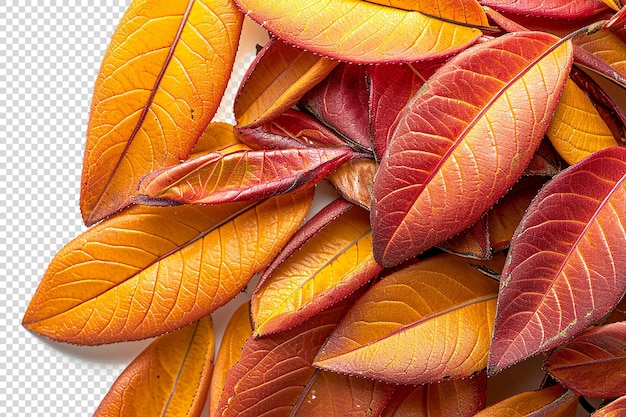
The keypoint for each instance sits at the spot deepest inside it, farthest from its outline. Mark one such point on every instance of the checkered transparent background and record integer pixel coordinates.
(50, 53)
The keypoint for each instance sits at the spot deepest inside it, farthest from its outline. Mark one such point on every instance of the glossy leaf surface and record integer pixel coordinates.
(169, 378)
(160, 83)
(462, 398)
(455, 152)
(242, 175)
(335, 395)
(593, 364)
(360, 31)
(237, 332)
(560, 9)
(577, 130)
(324, 270)
(183, 263)
(554, 401)
(424, 323)
(274, 370)
(276, 80)
(565, 268)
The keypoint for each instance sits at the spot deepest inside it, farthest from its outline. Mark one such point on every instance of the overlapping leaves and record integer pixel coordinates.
(442, 142)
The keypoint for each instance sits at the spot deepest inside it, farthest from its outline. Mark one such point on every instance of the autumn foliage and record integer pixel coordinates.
(475, 150)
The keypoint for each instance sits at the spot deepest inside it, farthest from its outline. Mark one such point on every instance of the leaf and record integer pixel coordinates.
(341, 102)
(505, 216)
(455, 152)
(242, 175)
(169, 378)
(354, 179)
(472, 242)
(461, 398)
(545, 161)
(279, 76)
(391, 89)
(559, 9)
(421, 324)
(577, 129)
(217, 137)
(150, 270)
(160, 83)
(332, 264)
(607, 46)
(615, 408)
(585, 363)
(462, 11)
(363, 32)
(554, 401)
(613, 4)
(332, 394)
(565, 268)
(237, 332)
(273, 371)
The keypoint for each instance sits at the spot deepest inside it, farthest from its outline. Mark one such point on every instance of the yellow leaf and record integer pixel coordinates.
(360, 31)
(577, 130)
(429, 321)
(277, 79)
(607, 46)
(150, 270)
(159, 85)
(168, 379)
(553, 401)
(468, 12)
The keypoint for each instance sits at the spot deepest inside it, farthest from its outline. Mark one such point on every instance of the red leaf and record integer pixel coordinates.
(455, 152)
(567, 264)
(584, 364)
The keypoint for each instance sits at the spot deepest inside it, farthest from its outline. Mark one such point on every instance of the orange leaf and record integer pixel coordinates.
(468, 12)
(217, 137)
(553, 401)
(149, 270)
(421, 324)
(615, 408)
(577, 129)
(607, 46)
(168, 379)
(160, 83)
(460, 398)
(364, 32)
(472, 242)
(238, 330)
(332, 264)
(353, 181)
(276, 80)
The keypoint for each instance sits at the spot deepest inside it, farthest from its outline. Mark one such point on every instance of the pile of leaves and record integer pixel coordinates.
(480, 215)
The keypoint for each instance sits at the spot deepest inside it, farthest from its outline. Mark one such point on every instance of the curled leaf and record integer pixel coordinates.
(160, 84)
(169, 378)
(421, 324)
(364, 32)
(455, 152)
(150, 270)
(565, 268)
(554, 401)
(615, 408)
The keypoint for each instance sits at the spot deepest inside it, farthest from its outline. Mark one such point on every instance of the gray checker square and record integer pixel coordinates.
(50, 53)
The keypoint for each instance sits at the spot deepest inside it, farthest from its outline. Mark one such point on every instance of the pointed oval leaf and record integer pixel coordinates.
(237, 332)
(615, 408)
(455, 152)
(160, 84)
(422, 324)
(553, 401)
(566, 265)
(584, 364)
(279, 76)
(607, 46)
(335, 395)
(241, 175)
(274, 371)
(559, 9)
(169, 378)
(324, 270)
(577, 129)
(360, 31)
(149, 270)
(461, 398)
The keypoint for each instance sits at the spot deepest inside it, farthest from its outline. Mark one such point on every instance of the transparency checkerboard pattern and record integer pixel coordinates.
(50, 53)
